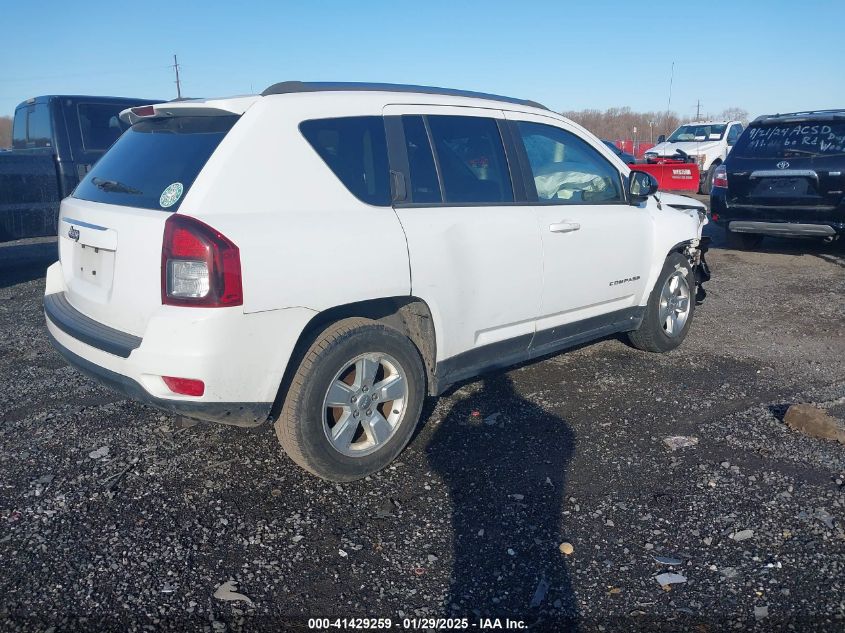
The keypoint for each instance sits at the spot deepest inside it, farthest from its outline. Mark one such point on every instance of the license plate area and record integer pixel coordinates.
(795, 187)
(92, 271)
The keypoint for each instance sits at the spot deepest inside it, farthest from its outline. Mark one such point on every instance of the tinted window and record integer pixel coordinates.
(687, 133)
(471, 158)
(19, 129)
(424, 185)
(817, 138)
(355, 149)
(39, 132)
(566, 169)
(155, 162)
(733, 133)
(100, 125)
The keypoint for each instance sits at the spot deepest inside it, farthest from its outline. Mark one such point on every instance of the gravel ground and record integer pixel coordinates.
(114, 516)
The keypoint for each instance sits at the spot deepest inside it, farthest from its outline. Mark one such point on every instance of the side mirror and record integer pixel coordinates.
(641, 185)
(661, 139)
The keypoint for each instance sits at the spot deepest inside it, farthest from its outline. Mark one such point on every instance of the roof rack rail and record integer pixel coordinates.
(835, 112)
(288, 87)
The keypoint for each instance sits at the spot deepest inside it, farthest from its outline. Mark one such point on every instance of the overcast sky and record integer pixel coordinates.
(764, 56)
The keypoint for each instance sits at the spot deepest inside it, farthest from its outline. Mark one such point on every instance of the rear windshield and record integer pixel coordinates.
(792, 139)
(155, 162)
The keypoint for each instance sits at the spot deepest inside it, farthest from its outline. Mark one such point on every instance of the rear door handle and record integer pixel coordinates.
(564, 227)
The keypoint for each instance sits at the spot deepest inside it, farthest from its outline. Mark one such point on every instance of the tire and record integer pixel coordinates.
(350, 359)
(652, 335)
(742, 241)
(707, 184)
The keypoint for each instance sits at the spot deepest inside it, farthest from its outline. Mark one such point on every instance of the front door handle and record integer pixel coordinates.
(564, 227)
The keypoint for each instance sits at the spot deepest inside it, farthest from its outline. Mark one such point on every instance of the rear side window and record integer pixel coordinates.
(355, 149)
(19, 129)
(471, 158)
(39, 130)
(566, 169)
(424, 184)
(100, 125)
(784, 140)
(155, 162)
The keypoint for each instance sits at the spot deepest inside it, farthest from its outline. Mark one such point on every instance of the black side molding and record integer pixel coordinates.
(72, 322)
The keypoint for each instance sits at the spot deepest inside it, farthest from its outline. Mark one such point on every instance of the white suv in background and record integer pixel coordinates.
(326, 255)
(706, 143)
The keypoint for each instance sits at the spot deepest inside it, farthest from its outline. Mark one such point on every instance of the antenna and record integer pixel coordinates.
(669, 104)
(178, 83)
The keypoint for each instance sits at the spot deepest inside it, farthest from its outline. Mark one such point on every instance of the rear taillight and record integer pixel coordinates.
(199, 266)
(720, 177)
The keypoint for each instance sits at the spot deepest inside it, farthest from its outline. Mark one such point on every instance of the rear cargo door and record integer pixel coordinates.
(111, 229)
(795, 171)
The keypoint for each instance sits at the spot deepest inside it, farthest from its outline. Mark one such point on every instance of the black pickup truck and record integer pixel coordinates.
(56, 140)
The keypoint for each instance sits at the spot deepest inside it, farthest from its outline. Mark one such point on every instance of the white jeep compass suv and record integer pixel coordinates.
(326, 255)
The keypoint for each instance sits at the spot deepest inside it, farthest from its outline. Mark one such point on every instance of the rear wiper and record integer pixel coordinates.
(808, 152)
(113, 186)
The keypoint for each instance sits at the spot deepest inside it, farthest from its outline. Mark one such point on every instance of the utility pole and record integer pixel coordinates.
(698, 110)
(178, 84)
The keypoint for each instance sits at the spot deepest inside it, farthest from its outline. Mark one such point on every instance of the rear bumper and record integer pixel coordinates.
(785, 229)
(236, 413)
(779, 222)
(240, 357)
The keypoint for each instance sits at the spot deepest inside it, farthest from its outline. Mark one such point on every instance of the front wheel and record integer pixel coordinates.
(354, 401)
(670, 308)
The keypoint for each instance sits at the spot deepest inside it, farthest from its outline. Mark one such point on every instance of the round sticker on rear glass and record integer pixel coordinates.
(171, 195)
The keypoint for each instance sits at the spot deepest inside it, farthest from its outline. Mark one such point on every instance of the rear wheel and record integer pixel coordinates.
(354, 401)
(742, 241)
(670, 308)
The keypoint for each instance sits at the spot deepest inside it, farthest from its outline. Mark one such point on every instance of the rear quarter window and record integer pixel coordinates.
(154, 164)
(355, 149)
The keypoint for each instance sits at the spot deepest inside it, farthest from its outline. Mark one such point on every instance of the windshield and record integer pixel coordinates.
(155, 162)
(791, 139)
(687, 133)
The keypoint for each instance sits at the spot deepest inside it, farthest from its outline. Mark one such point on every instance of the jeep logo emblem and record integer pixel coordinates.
(782, 165)
(73, 233)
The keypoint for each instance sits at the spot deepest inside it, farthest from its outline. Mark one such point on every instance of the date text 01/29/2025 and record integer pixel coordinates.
(413, 624)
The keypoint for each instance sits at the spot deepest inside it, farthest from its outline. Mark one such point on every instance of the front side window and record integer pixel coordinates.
(733, 133)
(471, 158)
(566, 169)
(355, 149)
(100, 125)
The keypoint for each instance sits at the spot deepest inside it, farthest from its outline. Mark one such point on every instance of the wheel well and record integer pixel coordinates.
(408, 315)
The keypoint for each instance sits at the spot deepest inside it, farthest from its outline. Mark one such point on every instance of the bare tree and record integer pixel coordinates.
(735, 114)
(5, 131)
(619, 123)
